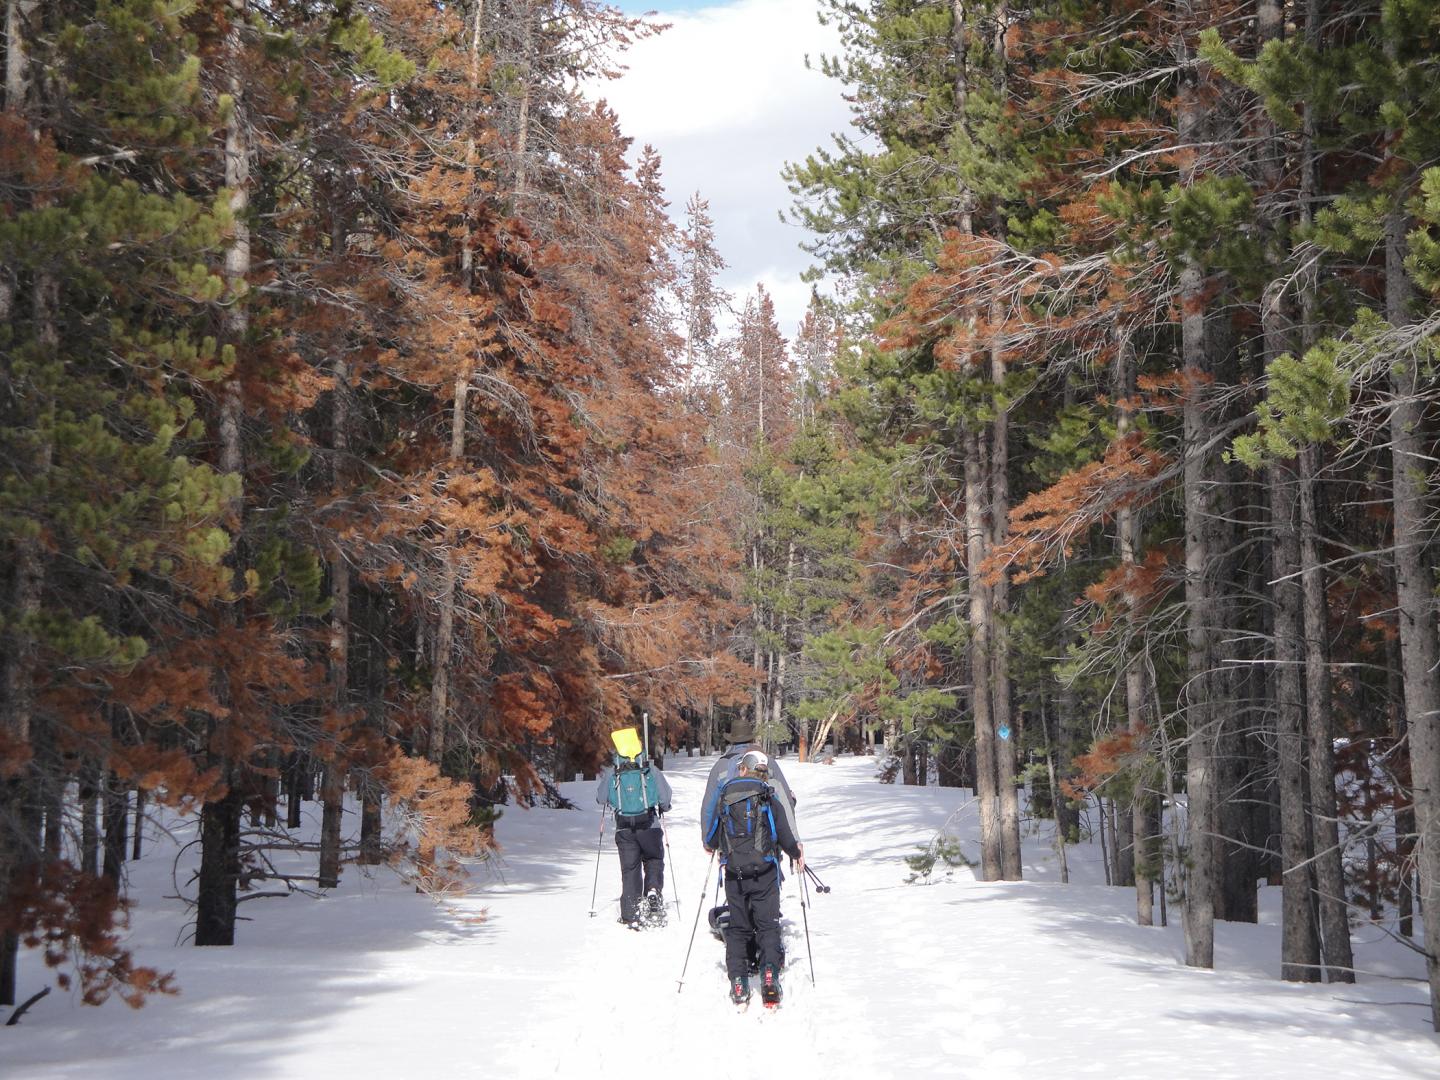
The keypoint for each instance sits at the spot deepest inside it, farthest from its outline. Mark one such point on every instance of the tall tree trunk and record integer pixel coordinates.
(270, 788)
(450, 572)
(1400, 778)
(529, 13)
(294, 788)
(1005, 779)
(758, 621)
(1105, 860)
(18, 16)
(220, 819)
(371, 837)
(332, 785)
(1066, 726)
(89, 825)
(138, 832)
(117, 821)
(1415, 597)
(450, 579)
(1329, 866)
(959, 51)
(445, 630)
(1200, 779)
(991, 858)
(1127, 528)
(1055, 799)
(1300, 943)
(777, 696)
(22, 797)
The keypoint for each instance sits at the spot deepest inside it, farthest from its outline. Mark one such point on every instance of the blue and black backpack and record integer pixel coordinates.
(744, 825)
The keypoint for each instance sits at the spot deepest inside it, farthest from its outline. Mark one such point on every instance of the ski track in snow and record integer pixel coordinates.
(954, 979)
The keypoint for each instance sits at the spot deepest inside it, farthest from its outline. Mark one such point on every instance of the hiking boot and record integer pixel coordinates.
(739, 990)
(654, 905)
(770, 985)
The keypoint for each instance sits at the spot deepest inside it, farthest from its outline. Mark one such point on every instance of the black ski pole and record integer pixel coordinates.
(820, 886)
(670, 854)
(698, 908)
(599, 844)
(805, 917)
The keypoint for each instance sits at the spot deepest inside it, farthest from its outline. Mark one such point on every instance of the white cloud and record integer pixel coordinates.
(725, 97)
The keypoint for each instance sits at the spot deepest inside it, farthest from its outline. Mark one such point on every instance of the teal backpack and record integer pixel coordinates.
(633, 795)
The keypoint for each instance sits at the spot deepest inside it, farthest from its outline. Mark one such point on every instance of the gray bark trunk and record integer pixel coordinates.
(1005, 779)
(89, 826)
(1127, 527)
(527, 91)
(371, 850)
(777, 697)
(21, 798)
(332, 783)
(1200, 779)
(991, 863)
(1415, 595)
(1329, 866)
(137, 833)
(117, 821)
(959, 47)
(220, 819)
(1299, 945)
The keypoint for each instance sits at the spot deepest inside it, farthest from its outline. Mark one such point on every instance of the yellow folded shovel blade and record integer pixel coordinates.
(627, 742)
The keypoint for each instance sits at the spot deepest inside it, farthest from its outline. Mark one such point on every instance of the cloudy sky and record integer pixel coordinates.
(725, 96)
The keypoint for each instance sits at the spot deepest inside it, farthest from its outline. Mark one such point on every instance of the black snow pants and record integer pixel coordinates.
(754, 904)
(637, 847)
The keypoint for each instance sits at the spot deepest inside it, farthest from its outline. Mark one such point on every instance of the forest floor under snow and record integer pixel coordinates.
(956, 978)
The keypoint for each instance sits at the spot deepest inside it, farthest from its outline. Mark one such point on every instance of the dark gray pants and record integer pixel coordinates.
(639, 847)
(754, 910)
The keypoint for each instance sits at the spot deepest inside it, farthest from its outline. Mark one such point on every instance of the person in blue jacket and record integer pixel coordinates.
(638, 793)
(741, 740)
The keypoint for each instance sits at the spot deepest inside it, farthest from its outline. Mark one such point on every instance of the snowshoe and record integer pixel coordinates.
(770, 987)
(652, 909)
(740, 992)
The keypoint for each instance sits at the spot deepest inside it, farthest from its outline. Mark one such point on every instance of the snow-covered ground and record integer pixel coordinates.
(953, 979)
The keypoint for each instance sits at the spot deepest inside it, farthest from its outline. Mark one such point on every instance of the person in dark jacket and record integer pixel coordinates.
(741, 740)
(638, 837)
(745, 821)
